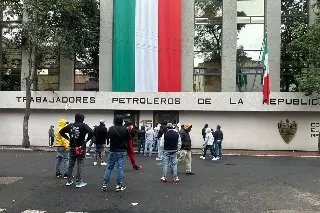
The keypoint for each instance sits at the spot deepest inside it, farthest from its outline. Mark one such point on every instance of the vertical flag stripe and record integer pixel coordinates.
(266, 76)
(123, 76)
(169, 46)
(146, 46)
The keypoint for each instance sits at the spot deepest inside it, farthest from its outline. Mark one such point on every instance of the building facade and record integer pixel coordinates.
(215, 77)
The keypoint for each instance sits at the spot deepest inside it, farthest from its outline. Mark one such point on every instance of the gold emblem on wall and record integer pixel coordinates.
(287, 130)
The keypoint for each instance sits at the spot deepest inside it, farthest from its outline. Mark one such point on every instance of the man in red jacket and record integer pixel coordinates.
(130, 151)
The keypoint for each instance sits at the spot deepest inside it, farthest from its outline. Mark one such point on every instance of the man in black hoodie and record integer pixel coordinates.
(100, 134)
(119, 145)
(77, 132)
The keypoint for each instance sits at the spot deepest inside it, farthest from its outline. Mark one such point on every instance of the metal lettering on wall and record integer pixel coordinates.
(180, 101)
(287, 130)
(314, 130)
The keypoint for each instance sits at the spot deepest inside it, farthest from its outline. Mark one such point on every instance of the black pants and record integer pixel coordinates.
(211, 148)
(51, 140)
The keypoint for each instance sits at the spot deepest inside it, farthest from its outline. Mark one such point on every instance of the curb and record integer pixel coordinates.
(249, 154)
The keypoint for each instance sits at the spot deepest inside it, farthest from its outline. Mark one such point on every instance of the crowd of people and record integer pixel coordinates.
(172, 143)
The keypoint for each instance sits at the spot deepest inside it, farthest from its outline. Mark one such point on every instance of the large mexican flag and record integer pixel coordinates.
(147, 46)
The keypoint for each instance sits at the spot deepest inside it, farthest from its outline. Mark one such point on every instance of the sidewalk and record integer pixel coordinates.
(229, 152)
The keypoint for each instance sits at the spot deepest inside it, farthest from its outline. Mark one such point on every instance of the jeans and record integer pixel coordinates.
(72, 161)
(100, 152)
(148, 147)
(62, 155)
(172, 158)
(218, 148)
(160, 151)
(141, 146)
(211, 148)
(115, 157)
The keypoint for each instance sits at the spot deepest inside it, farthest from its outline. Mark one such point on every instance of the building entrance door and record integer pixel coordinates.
(129, 115)
(169, 116)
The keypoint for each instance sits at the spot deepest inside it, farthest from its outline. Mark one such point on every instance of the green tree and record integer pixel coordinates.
(304, 48)
(61, 26)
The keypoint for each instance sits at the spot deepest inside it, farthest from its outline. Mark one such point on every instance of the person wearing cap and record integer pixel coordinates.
(185, 153)
(170, 143)
(218, 138)
(101, 136)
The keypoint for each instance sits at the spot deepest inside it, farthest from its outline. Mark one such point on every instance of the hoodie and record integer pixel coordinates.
(203, 132)
(77, 132)
(119, 136)
(209, 139)
(150, 136)
(185, 137)
(51, 132)
(60, 141)
(162, 130)
(100, 134)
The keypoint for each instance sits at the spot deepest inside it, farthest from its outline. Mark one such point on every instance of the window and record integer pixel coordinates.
(208, 46)
(10, 49)
(251, 31)
(293, 13)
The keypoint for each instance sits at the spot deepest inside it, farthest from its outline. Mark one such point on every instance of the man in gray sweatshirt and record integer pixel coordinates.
(150, 138)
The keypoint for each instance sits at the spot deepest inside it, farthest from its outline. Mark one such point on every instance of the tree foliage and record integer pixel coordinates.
(304, 49)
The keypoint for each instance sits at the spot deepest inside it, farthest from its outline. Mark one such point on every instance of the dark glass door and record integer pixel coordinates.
(129, 115)
(169, 116)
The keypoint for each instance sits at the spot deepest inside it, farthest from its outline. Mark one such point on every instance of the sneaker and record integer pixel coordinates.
(87, 154)
(65, 176)
(190, 173)
(58, 175)
(215, 158)
(95, 163)
(137, 167)
(158, 159)
(103, 164)
(201, 157)
(120, 188)
(176, 180)
(104, 187)
(81, 184)
(164, 179)
(69, 183)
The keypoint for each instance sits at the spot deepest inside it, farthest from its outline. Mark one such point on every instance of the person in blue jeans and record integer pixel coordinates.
(119, 145)
(149, 138)
(218, 138)
(170, 144)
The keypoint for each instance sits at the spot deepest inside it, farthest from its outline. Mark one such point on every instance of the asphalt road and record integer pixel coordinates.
(236, 184)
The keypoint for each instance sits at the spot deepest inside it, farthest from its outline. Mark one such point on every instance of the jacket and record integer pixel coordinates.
(185, 139)
(61, 141)
(170, 141)
(77, 132)
(51, 132)
(162, 130)
(218, 135)
(150, 135)
(119, 138)
(101, 134)
(141, 134)
(209, 139)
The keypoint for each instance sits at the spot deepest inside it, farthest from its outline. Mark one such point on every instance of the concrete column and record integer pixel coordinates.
(106, 45)
(66, 82)
(187, 36)
(229, 46)
(312, 12)
(273, 22)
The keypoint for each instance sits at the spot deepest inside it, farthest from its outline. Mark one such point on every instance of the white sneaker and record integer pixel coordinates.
(95, 163)
(158, 159)
(215, 158)
(103, 164)
(88, 154)
(201, 157)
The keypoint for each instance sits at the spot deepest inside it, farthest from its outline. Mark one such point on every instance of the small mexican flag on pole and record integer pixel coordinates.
(266, 77)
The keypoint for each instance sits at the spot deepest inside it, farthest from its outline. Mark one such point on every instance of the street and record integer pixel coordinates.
(236, 184)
